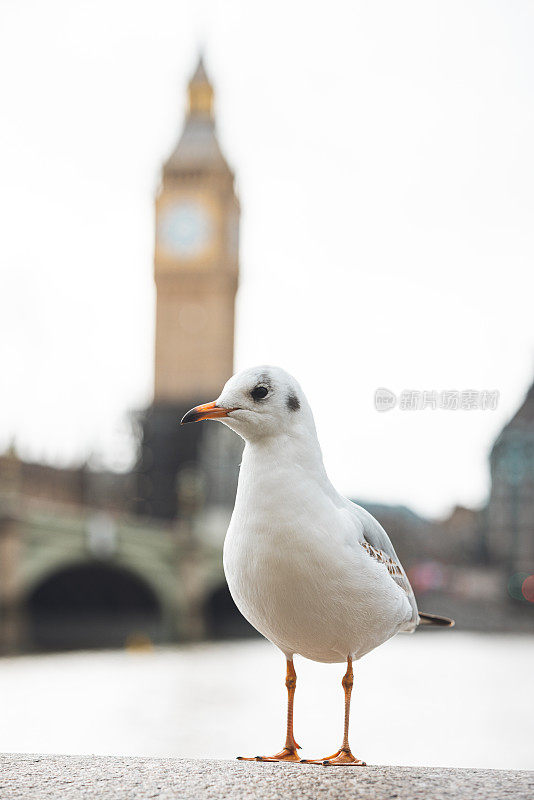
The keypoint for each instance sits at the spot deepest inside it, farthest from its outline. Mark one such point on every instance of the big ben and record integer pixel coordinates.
(196, 274)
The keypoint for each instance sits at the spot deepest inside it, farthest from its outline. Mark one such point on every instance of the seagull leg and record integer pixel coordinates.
(289, 753)
(343, 756)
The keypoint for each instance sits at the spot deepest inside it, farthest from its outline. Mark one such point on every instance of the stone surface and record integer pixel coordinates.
(112, 778)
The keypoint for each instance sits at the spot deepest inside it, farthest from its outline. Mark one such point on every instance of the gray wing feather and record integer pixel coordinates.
(378, 541)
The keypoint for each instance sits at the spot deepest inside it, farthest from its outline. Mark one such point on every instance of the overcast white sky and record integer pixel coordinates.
(385, 162)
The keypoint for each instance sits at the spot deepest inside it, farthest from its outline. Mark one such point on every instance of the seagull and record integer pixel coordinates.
(312, 571)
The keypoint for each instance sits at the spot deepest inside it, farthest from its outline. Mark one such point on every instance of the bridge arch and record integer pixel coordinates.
(93, 603)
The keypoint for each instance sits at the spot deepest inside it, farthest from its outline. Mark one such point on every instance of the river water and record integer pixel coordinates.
(443, 698)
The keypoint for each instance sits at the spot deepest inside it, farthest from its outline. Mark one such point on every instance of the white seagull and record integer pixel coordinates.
(312, 571)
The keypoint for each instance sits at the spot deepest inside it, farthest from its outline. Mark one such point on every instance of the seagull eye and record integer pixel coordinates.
(259, 392)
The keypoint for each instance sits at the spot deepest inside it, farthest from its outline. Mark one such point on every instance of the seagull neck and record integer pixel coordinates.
(285, 452)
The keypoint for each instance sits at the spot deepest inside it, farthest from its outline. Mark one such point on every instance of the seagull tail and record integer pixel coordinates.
(433, 619)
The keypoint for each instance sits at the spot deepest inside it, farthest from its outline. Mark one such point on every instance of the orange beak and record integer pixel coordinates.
(206, 411)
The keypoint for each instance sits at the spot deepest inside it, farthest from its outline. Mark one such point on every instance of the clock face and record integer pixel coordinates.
(185, 228)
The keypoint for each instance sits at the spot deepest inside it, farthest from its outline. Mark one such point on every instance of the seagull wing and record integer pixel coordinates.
(378, 545)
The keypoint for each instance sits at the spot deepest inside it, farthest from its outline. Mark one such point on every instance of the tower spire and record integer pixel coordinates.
(197, 147)
(200, 92)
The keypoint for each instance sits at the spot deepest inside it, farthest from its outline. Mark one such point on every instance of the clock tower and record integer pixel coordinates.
(196, 276)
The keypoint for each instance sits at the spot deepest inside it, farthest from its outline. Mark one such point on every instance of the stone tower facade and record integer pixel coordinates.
(196, 266)
(196, 259)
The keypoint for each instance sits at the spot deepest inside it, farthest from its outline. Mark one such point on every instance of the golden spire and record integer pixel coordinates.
(200, 92)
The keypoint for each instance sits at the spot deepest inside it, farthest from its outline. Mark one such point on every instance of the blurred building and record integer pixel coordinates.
(196, 267)
(477, 565)
(509, 524)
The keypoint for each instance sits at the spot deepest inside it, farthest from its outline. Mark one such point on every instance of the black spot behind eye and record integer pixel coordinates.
(293, 402)
(259, 392)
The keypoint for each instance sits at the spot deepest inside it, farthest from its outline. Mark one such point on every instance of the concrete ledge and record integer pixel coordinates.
(108, 777)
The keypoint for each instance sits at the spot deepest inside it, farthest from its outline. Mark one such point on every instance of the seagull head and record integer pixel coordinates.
(257, 403)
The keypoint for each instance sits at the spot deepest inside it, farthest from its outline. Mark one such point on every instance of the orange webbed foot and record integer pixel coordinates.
(342, 758)
(287, 754)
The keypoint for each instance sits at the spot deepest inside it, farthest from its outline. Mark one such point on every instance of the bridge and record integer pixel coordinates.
(74, 577)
